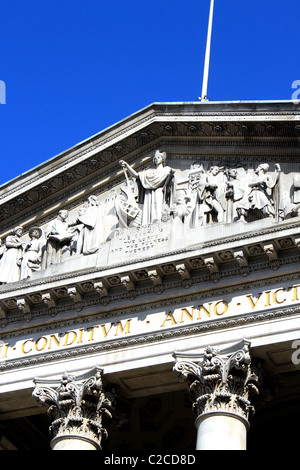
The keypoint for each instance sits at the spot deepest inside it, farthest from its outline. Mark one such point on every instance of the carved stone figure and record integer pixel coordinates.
(12, 257)
(182, 207)
(214, 194)
(59, 235)
(234, 192)
(208, 205)
(91, 228)
(263, 199)
(295, 207)
(197, 182)
(32, 254)
(156, 187)
(296, 184)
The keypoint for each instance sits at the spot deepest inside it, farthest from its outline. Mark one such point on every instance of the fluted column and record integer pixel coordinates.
(222, 384)
(79, 410)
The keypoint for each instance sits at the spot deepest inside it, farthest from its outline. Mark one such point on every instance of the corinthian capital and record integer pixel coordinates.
(79, 408)
(220, 380)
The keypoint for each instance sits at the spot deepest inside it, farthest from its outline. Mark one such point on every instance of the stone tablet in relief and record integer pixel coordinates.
(139, 242)
(155, 188)
(11, 260)
(32, 253)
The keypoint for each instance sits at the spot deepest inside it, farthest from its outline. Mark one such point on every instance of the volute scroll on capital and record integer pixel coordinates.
(220, 381)
(194, 197)
(78, 409)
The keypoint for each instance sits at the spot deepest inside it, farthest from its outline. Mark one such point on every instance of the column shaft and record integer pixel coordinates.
(73, 443)
(221, 432)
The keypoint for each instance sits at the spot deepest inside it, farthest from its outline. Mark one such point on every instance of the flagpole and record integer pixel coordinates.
(207, 53)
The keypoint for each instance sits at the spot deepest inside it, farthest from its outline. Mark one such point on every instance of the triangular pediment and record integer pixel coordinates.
(128, 226)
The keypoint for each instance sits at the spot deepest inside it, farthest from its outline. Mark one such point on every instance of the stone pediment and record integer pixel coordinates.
(173, 195)
(92, 165)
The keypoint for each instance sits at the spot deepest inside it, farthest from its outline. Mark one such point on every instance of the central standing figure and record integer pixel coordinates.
(156, 187)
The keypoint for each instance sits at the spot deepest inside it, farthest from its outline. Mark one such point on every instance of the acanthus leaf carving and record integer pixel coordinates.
(220, 381)
(77, 408)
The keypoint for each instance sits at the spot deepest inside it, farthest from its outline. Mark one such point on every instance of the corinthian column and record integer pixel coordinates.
(79, 409)
(222, 384)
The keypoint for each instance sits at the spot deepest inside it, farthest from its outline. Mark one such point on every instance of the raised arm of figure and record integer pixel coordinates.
(127, 167)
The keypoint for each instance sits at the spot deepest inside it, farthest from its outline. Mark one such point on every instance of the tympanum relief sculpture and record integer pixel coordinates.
(194, 197)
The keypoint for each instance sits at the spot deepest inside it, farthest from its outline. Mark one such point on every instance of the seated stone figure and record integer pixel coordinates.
(261, 201)
(59, 235)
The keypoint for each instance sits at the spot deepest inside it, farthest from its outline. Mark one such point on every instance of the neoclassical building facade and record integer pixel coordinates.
(150, 294)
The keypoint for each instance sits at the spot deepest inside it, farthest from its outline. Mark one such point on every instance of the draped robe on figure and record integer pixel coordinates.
(92, 232)
(154, 183)
(11, 260)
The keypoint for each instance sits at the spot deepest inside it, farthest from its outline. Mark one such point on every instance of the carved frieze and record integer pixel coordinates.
(155, 211)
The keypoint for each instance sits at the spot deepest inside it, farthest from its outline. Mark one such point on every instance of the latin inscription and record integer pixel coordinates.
(154, 321)
(138, 241)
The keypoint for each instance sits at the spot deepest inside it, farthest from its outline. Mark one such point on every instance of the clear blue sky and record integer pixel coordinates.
(75, 67)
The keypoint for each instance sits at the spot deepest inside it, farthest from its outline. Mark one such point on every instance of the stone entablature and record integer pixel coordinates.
(166, 319)
(103, 281)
